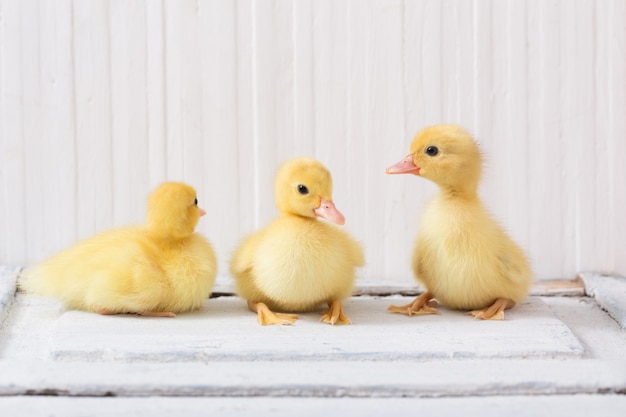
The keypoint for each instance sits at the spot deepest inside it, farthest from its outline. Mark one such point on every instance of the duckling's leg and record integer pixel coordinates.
(424, 304)
(494, 311)
(266, 316)
(334, 314)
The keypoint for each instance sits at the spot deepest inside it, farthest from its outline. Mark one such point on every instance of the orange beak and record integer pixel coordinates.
(405, 166)
(202, 212)
(328, 211)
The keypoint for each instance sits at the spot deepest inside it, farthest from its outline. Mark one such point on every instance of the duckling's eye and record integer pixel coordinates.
(432, 151)
(302, 189)
(195, 202)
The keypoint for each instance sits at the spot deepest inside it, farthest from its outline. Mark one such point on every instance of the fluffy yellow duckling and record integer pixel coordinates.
(158, 270)
(297, 263)
(462, 256)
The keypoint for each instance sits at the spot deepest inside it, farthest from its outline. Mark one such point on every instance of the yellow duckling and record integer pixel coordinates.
(462, 256)
(297, 263)
(158, 270)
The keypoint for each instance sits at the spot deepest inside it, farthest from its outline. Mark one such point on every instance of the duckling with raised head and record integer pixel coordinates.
(462, 256)
(297, 263)
(161, 269)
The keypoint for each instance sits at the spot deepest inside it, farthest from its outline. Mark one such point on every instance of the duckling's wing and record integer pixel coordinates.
(515, 268)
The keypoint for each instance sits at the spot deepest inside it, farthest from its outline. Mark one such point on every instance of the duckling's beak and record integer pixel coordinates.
(328, 211)
(406, 166)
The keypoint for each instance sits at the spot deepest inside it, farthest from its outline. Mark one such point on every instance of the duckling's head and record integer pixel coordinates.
(446, 155)
(173, 210)
(304, 188)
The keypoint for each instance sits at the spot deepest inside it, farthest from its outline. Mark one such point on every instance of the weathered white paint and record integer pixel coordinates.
(224, 329)
(547, 346)
(486, 406)
(102, 100)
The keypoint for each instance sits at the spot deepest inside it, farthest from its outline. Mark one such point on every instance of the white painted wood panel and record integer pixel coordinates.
(102, 100)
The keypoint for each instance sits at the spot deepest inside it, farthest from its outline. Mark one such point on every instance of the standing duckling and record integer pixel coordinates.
(462, 256)
(161, 269)
(297, 263)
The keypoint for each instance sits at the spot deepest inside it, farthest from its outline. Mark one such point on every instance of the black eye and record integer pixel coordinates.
(432, 151)
(302, 189)
(195, 202)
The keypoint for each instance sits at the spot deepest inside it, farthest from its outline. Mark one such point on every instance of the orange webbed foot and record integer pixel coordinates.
(494, 311)
(334, 314)
(266, 317)
(422, 305)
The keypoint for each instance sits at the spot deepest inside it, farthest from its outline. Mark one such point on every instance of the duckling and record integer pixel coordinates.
(161, 269)
(297, 262)
(462, 256)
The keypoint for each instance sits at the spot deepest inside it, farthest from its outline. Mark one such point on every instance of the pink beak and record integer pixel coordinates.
(406, 166)
(202, 212)
(328, 211)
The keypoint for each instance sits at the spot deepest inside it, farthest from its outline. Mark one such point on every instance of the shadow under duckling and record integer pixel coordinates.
(161, 269)
(462, 256)
(297, 263)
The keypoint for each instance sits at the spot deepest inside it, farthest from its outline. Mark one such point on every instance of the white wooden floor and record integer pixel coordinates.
(553, 355)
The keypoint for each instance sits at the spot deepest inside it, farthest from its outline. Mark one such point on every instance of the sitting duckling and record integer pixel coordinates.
(297, 262)
(161, 269)
(462, 256)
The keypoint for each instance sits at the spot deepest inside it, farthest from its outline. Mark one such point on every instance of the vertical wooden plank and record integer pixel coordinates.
(183, 92)
(387, 132)
(375, 126)
(129, 115)
(175, 35)
(568, 140)
(483, 89)
(616, 133)
(602, 255)
(32, 133)
(57, 143)
(155, 92)
(577, 103)
(583, 110)
(515, 134)
(4, 238)
(431, 62)
(217, 187)
(449, 52)
(482, 69)
(544, 137)
(13, 250)
(273, 83)
(308, 58)
(412, 39)
(191, 89)
(495, 143)
(464, 111)
(360, 36)
(534, 29)
(93, 116)
(245, 105)
(174, 98)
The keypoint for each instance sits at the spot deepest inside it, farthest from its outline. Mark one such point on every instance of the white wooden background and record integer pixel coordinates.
(102, 100)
